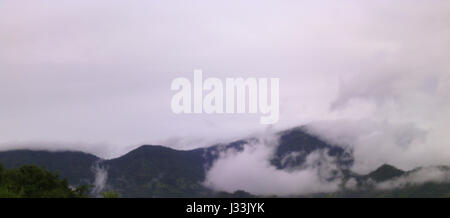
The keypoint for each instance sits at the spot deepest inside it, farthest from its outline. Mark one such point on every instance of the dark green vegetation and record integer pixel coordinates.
(157, 171)
(34, 182)
(75, 166)
(110, 194)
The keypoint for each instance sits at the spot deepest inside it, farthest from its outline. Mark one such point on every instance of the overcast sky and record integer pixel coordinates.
(95, 76)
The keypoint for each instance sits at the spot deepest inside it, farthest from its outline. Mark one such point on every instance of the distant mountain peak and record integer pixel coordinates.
(300, 142)
(385, 172)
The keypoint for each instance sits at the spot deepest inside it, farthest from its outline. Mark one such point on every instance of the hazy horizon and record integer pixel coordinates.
(95, 76)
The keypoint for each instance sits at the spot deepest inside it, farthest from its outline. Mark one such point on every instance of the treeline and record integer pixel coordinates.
(36, 182)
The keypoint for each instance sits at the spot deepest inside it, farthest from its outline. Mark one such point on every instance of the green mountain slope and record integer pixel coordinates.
(75, 166)
(157, 171)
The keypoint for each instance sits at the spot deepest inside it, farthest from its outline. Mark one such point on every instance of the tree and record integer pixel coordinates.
(110, 194)
(36, 182)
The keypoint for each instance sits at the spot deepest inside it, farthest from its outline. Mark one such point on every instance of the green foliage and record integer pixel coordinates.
(82, 190)
(156, 171)
(34, 182)
(75, 166)
(110, 194)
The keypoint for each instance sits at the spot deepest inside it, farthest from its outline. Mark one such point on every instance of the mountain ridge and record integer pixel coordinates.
(159, 171)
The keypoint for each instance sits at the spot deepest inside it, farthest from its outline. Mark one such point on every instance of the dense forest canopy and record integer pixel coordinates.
(30, 181)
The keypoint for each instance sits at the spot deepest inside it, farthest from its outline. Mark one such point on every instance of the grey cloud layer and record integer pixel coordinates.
(96, 76)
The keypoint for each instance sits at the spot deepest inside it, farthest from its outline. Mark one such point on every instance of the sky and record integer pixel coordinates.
(96, 76)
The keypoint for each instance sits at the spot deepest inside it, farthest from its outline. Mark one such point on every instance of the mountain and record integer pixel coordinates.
(388, 181)
(158, 171)
(296, 144)
(384, 173)
(75, 166)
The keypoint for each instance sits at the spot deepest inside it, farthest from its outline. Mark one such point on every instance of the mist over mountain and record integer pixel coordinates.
(98, 74)
(291, 163)
(83, 83)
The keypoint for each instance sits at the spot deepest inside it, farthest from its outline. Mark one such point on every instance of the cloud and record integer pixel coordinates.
(251, 170)
(375, 143)
(417, 177)
(400, 118)
(101, 176)
(76, 74)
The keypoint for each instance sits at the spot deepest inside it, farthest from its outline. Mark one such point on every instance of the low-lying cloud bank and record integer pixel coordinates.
(250, 170)
(420, 176)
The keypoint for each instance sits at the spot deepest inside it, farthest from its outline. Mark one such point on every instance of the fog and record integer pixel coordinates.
(100, 178)
(250, 170)
(95, 76)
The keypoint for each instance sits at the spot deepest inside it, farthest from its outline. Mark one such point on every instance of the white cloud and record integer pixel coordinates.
(251, 170)
(417, 177)
(84, 73)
